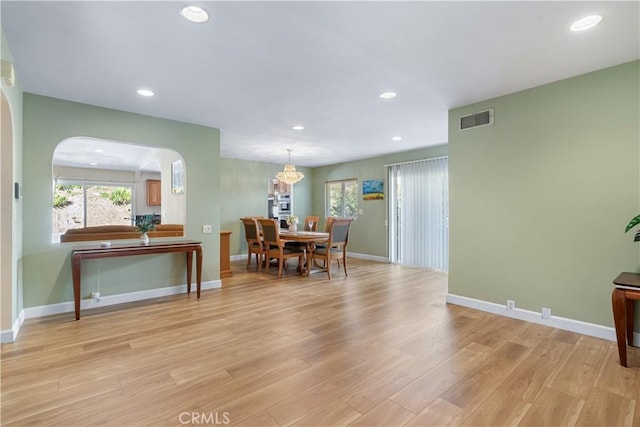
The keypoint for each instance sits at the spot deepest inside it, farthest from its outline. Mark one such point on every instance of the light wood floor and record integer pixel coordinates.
(380, 347)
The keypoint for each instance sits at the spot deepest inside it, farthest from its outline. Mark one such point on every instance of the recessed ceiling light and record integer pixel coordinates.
(98, 150)
(586, 23)
(298, 127)
(195, 14)
(145, 92)
(397, 138)
(388, 95)
(93, 164)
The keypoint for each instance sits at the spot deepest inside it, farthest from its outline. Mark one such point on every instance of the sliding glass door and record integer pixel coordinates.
(419, 213)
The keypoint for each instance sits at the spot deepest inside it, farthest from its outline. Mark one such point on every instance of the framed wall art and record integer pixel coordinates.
(373, 189)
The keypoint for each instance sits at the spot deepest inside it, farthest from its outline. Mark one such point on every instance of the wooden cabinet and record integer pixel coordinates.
(275, 185)
(225, 259)
(154, 194)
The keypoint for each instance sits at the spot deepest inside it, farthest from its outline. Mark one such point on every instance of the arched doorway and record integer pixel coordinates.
(6, 216)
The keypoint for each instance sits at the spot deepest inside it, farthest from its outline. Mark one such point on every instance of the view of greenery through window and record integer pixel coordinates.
(105, 205)
(342, 198)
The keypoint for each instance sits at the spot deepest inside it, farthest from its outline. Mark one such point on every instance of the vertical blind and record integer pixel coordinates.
(419, 213)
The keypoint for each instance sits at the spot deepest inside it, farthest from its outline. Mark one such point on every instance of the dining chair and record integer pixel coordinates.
(254, 241)
(274, 247)
(327, 224)
(313, 220)
(335, 247)
(327, 227)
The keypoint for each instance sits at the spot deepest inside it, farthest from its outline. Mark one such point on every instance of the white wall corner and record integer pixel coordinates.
(9, 336)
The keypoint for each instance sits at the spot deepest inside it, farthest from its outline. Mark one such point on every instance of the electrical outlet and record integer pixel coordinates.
(206, 229)
(511, 304)
(95, 296)
(546, 313)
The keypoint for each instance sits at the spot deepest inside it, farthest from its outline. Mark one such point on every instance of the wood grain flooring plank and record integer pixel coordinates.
(332, 413)
(438, 413)
(249, 404)
(472, 389)
(553, 408)
(383, 384)
(617, 379)
(262, 419)
(385, 414)
(536, 370)
(297, 407)
(532, 335)
(375, 347)
(420, 393)
(603, 408)
(499, 409)
(578, 373)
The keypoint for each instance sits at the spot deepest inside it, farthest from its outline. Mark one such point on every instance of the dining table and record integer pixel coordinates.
(310, 238)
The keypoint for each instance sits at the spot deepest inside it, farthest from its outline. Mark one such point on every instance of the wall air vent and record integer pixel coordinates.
(483, 118)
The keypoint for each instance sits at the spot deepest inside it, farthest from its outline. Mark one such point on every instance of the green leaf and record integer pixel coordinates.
(635, 221)
(637, 238)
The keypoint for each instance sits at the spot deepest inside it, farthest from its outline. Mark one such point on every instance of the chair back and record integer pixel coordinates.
(314, 223)
(251, 229)
(339, 232)
(327, 225)
(270, 232)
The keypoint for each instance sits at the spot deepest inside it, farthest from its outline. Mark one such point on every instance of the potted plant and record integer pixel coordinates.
(144, 224)
(635, 221)
(292, 222)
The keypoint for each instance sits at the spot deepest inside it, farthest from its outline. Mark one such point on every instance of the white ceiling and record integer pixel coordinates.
(257, 68)
(91, 153)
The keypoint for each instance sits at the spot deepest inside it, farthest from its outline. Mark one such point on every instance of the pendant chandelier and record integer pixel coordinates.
(289, 175)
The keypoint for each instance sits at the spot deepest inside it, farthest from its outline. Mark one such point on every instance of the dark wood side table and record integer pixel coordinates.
(626, 292)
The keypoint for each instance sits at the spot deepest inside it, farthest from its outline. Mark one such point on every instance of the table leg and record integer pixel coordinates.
(75, 272)
(629, 325)
(199, 269)
(189, 265)
(619, 319)
(310, 248)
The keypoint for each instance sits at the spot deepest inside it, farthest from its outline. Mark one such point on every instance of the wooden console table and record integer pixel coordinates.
(626, 292)
(130, 249)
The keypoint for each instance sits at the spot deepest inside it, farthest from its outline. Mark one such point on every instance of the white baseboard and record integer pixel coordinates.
(351, 254)
(368, 257)
(578, 326)
(68, 307)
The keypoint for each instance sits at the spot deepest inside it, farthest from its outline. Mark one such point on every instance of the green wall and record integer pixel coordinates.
(243, 189)
(368, 233)
(243, 192)
(539, 201)
(47, 271)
